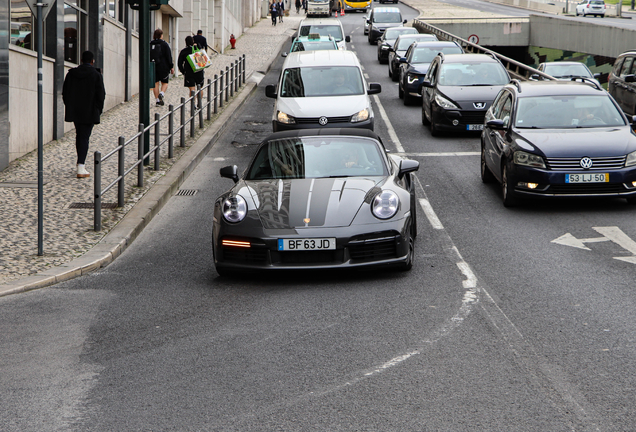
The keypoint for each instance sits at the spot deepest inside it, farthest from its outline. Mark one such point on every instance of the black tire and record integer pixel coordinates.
(408, 99)
(390, 72)
(486, 175)
(507, 189)
(408, 265)
(394, 76)
(425, 120)
(400, 92)
(434, 129)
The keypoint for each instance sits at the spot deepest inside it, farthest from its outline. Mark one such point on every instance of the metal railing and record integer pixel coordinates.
(515, 68)
(218, 91)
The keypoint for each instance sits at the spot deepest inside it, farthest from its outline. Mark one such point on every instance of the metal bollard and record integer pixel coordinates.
(192, 114)
(236, 75)
(97, 187)
(121, 172)
(170, 132)
(231, 82)
(209, 103)
(216, 93)
(243, 68)
(221, 90)
(157, 141)
(200, 103)
(182, 131)
(227, 82)
(140, 156)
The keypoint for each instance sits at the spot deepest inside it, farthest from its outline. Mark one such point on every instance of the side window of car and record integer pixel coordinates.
(408, 54)
(617, 66)
(432, 74)
(496, 105)
(506, 110)
(627, 65)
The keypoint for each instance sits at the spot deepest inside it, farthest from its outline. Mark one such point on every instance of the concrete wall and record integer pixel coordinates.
(23, 100)
(489, 31)
(114, 62)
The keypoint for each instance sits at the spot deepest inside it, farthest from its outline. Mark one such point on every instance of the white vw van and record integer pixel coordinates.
(319, 89)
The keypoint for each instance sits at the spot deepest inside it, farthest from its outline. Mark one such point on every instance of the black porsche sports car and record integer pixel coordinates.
(317, 198)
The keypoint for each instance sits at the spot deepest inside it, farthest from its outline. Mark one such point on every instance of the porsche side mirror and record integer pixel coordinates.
(270, 91)
(374, 88)
(407, 166)
(230, 172)
(496, 124)
(347, 39)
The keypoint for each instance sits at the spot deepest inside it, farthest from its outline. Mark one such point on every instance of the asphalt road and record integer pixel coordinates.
(496, 327)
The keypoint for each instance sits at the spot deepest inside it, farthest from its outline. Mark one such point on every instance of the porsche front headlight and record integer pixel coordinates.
(360, 116)
(444, 103)
(631, 159)
(234, 209)
(385, 204)
(528, 159)
(284, 118)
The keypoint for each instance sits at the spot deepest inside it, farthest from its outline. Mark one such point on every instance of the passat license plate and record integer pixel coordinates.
(587, 178)
(476, 127)
(306, 244)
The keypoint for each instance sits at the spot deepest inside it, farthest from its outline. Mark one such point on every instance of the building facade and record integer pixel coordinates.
(108, 28)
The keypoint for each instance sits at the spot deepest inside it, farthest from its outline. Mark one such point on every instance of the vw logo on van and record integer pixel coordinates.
(586, 163)
(322, 121)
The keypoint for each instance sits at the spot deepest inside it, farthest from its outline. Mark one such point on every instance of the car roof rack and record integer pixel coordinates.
(587, 80)
(516, 83)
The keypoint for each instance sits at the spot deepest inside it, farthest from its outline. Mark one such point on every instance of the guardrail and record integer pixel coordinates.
(218, 90)
(515, 68)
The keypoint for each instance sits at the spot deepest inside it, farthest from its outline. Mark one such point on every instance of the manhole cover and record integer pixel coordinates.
(91, 205)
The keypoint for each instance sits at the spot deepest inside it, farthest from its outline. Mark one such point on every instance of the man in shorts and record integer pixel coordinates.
(162, 56)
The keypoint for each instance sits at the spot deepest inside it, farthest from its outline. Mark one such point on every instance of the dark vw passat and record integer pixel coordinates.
(458, 89)
(558, 139)
(314, 199)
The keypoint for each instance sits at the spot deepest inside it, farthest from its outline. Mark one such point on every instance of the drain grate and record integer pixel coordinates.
(91, 205)
(187, 192)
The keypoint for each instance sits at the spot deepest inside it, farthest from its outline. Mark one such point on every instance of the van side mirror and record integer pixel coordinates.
(374, 88)
(347, 39)
(230, 172)
(270, 91)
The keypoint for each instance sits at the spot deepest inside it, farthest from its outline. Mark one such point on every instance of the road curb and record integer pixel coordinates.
(133, 223)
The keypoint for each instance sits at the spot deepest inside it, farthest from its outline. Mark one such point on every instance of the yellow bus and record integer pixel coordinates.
(351, 5)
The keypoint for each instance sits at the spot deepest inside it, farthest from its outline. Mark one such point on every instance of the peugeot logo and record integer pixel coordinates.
(479, 105)
(322, 121)
(586, 163)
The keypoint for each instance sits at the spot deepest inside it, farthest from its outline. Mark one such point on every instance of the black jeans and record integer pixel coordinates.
(82, 135)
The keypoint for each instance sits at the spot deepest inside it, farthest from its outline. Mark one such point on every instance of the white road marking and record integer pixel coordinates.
(613, 233)
(389, 126)
(366, 75)
(430, 214)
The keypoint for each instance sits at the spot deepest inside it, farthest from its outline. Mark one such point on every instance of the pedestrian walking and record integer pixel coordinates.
(83, 94)
(281, 10)
(190, 78)
(305, 6)
(162, 56)
(273, 10)
(201, 41)
(299, 4)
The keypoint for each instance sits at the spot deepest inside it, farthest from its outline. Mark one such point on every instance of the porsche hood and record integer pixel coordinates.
(320, 202)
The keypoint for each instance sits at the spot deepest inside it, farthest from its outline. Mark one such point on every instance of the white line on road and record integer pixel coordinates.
(430, 214)
(389, 126)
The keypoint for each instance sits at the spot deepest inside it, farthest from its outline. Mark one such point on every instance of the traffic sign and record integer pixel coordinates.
(473, 39)
(46, 6)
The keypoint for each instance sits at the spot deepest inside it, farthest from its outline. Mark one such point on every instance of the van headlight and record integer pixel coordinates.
(360, 116)
(631, 159)
(444, 103)
(284, 118)
(234, 209)
(528, 159)
(385, 204)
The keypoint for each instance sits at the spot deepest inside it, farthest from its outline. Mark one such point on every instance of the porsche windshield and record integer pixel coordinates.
(334, 31)
(318, 157)
(322, 81)
(543, 112)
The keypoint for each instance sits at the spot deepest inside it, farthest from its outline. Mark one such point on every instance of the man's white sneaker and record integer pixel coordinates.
(81, 171)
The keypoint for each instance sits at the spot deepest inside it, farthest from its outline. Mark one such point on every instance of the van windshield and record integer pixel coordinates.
(387, 17)
(323, 30)
(322, 81)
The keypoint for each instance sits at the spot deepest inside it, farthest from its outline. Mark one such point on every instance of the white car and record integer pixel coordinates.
(322, 89)
(591, 7)
(366, 22)
(324, 27)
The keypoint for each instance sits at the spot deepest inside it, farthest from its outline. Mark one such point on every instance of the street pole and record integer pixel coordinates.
(144, 67)
(40, 134)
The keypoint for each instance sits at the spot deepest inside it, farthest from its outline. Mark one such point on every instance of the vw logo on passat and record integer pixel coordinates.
(322, 121)
(586, 163)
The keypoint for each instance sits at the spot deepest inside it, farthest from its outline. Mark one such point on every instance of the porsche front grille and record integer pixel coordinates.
(238, 255)
(373, 250)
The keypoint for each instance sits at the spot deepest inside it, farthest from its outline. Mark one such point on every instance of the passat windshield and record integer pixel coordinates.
(322, 81)
(318, 157)
(544, 112)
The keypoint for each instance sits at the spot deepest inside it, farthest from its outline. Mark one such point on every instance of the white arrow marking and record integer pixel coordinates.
(569, 240)
(617, 236)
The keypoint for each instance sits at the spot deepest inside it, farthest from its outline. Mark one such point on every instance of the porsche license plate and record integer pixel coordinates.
(587, 178)
(306, 244)
(476, 127)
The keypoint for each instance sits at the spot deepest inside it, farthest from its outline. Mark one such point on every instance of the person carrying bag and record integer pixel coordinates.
(191, 64)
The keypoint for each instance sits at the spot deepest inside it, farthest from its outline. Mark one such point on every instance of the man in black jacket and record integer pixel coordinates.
(161, 54)
(201, 41)
(83, 94)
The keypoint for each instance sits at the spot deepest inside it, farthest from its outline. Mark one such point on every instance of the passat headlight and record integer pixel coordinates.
(385, 204)
(411, 78)
(631, 159)
(528, 159)
(444, 103)
(234, 209)
(284, 118)
(360, 116)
